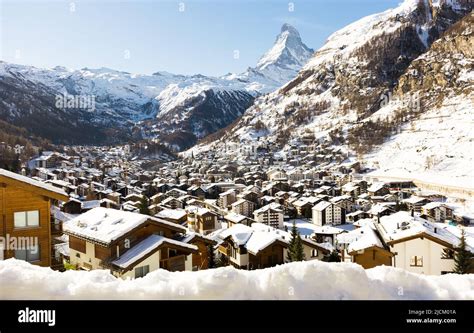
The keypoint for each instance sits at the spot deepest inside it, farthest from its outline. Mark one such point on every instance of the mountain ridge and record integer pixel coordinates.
(161, 103)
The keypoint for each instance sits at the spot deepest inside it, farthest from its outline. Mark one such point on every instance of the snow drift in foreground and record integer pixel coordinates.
(303, 280)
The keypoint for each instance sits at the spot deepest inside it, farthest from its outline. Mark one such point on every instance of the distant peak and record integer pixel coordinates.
(287, 51)
(291, 29)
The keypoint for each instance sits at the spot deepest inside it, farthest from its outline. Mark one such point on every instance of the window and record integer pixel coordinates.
(416, 261)
(78, 255)
(26, 219)
(142, 271)
(314, 253)
(29, 254)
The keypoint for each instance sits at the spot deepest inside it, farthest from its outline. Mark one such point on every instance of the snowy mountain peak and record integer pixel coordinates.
(288, 50)
(292, 30)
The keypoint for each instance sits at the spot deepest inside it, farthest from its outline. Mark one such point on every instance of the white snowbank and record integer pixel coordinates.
(304, 280)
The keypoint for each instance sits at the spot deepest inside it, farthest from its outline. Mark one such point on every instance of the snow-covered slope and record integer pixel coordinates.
(301, 280)
(437, 145)
(168, 101)
(366, 69)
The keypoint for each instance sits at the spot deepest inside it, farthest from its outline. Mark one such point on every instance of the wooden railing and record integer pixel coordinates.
(174, 264)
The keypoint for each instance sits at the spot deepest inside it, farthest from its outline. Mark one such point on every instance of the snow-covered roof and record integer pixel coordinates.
(90, 204)
(238, 202)
(240, 233)
(432, 205)
(145, 247)
(104, 225)
(271, 206)
(32, 182)
(234, 217)
(413, 199)
(265, 236)
(327, 230)
(361, 238)
(174, 214)
(378, 208)
(322, 205)
(376, 187)
(362, 222)
(402, 225)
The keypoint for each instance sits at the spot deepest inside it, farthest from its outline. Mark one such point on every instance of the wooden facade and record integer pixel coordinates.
(371, 257)
(172, 256)
(23, 196)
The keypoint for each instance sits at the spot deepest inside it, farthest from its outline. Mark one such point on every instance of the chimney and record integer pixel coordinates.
(435, 230)
(398, 225)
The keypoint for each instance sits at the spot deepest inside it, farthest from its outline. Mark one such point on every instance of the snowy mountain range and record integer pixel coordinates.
(179, 109)
(395, 89)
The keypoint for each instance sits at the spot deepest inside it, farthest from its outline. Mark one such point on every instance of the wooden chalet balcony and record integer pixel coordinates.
(174, 264)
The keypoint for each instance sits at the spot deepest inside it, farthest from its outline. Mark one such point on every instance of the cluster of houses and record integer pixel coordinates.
(94, 208)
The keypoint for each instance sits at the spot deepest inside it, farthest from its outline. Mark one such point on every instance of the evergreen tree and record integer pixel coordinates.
(291, 245)
(144, 205)
(462, 257)
(222, 261)
(298, 252)
(332, 257)
(212, 257)
(295, 247)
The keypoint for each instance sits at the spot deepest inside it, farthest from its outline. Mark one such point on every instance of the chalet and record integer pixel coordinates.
(351, 190)
(129, 244)
(175, 193)
(437, 212)
(197, 191)
(200, 260)
(251, 195)
(202, 220)
(271, 215)
(355, 216)
(261, 246)
(326, 234)
(172, 203)
(157, 198)
(378, 190)
(420, 246)
(364, 247)
(243, 207)
(73, 206)
(226, 198)
(115, 197)
(328, 213)
(25, 212)
(381, 209)
(415, 203)
(345, 202)
(304, 205)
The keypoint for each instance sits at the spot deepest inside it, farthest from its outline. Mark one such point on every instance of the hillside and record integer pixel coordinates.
(378, 86)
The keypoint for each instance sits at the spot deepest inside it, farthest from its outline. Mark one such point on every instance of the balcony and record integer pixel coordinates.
(174, 264)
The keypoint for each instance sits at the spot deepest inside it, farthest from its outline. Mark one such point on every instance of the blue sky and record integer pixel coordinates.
(145, 36)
